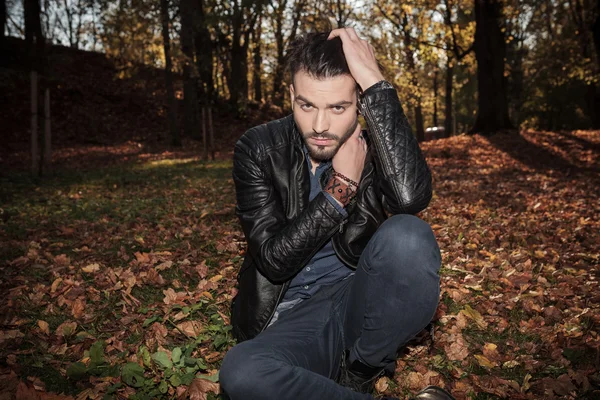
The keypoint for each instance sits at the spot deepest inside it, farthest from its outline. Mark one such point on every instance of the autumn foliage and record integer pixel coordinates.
(116, 281)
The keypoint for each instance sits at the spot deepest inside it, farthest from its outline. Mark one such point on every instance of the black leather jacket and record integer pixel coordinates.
(284, 230)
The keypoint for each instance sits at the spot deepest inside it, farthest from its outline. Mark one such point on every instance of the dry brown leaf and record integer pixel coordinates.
(382, 384)
(142, 258)
(484, 361)
(55, 284)
(457, 350)
(490, 351)
(190, 328)
(91, 268)
(62, 260)
(10, 334)
(475, 316)
(77, 308)
(200, 387)
(202, 269)
(170, 296)
(44, 327)
(24, 392)
(67, 328)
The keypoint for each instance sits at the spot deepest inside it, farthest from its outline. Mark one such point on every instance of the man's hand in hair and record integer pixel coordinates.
(359, 56)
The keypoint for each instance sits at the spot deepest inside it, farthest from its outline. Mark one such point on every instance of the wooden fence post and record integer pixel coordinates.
(212, 134)
(47, 130)
(34, 124)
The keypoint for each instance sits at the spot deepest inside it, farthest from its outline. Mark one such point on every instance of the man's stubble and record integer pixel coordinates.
(321, 153)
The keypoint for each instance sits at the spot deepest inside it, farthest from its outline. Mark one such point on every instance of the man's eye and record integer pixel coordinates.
(338, 109)
(306, 107)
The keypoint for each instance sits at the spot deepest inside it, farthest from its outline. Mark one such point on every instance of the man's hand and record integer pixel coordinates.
(359, 56)
(350, 158)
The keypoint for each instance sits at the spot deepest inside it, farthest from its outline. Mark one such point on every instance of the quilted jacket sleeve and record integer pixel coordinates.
(280, 248)
(404, 179)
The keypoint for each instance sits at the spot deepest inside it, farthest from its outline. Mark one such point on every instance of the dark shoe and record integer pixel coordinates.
(358, 376)
(433, 393)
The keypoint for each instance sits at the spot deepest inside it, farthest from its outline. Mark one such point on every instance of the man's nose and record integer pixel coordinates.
(321, 122)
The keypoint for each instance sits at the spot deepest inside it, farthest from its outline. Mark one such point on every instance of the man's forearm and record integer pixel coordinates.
(404, 175)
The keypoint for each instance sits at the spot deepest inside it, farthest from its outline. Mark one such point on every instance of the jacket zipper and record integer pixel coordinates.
(382, 155)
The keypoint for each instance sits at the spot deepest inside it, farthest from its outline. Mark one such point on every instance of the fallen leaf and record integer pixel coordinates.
(91, 268)
(199, 388)
(190, 328)
(484, 362)
(473, 314)
(457, 350)
(66, 328)
(382, 384)
(44, 327)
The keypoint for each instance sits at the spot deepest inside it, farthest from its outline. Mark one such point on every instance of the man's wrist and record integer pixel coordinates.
(340, 190)
(370, 81)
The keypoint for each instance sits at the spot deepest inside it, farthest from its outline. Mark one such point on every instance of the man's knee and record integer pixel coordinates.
(407, 237)
(240, 371)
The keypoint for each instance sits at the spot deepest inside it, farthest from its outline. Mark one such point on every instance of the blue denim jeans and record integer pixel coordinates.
(392, 297)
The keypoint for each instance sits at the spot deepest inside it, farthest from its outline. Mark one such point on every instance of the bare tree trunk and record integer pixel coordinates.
(35, 157)
(448, 126)
(278, 89)
(596, 33)
(47, 130)
(204, 57)
(257, 70)
(435, 97)
(190, 74)
(420, 129)
(490, 51)
(244, 70)
(35, 43)
(211, 133)
(80, 12)
(237, 57)
(69, 14)
(164, 13)
(204, 135)
(2, 19)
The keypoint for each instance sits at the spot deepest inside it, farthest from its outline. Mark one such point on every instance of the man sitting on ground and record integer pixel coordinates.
(339, 273)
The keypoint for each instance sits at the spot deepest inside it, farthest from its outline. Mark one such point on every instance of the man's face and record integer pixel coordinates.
(325, 112)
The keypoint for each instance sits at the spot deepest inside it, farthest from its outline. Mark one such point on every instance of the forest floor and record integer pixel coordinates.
(117, 272)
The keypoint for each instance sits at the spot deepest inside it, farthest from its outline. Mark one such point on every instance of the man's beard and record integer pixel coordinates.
(324, 153)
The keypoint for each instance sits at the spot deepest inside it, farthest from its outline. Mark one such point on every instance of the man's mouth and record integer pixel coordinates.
(321, 141)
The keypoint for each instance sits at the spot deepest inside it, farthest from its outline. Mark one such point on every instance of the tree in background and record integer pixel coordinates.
(458, 36)
(535, 63)
(2, 19)
(490, 51)
(172, 110)
(278, 16)
(191, 115)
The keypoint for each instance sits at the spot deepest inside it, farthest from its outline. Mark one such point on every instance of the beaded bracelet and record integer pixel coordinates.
(345, 178)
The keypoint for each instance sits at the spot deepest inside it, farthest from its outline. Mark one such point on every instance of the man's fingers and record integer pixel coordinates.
(352, 34)
(340, 32)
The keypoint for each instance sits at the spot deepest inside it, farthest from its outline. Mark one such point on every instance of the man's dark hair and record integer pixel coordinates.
(318, 57)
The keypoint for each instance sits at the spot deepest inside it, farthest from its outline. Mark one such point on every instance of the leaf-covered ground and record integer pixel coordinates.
(116, 281)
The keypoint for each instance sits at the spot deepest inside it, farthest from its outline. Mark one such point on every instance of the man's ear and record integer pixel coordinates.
(292, 95)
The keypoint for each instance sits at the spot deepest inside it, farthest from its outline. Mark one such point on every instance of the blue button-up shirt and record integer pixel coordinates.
(325, 268)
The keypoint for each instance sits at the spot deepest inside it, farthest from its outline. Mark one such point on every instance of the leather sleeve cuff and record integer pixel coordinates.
(381, 85)
(337, 205)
